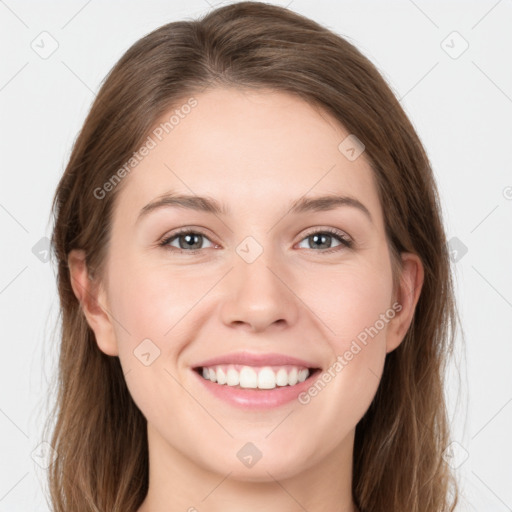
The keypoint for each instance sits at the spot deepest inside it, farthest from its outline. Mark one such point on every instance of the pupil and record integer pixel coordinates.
(319, 237)
(189, 241)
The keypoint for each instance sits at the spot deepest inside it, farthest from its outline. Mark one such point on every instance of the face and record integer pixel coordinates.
(272, 279)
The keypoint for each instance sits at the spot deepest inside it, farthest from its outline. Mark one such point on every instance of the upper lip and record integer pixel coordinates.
(254, 359)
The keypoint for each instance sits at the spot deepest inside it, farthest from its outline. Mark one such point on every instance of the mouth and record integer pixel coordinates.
(240, 376)
(259, 381)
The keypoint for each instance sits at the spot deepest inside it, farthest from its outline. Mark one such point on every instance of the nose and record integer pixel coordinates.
(259, 296)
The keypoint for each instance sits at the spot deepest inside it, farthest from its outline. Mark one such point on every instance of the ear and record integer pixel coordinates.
(92, 297)
(411, 282)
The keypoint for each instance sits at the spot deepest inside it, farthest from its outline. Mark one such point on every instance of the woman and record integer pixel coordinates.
(214, 357)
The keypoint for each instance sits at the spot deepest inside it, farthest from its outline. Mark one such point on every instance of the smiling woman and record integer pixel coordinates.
(258, 313)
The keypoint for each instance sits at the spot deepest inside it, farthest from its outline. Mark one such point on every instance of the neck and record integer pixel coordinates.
(177, 483)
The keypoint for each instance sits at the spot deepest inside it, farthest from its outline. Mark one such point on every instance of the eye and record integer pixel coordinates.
(188, 241)
(191, 241)
(324, 237)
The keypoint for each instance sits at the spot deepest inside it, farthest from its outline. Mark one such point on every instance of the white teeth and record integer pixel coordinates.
(233, 377)
(282, 377)
(248, 378)
(303, 375)
(266, 379)
(252, 377)
(221, 376)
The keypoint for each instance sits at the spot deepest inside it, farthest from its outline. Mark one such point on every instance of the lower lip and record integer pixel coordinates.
(257, 398)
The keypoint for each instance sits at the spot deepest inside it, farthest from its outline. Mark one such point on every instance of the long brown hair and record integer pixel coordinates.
(98, 432)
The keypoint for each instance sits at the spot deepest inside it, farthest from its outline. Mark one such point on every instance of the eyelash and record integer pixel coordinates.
(339, 235)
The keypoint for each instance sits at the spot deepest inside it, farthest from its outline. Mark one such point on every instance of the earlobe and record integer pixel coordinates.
(411, 283)
(91, 296)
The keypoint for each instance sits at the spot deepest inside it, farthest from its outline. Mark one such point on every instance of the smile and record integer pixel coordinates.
(251, 380)
(250, 377)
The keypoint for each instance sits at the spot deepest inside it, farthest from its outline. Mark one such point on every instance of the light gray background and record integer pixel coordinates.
(460, 105)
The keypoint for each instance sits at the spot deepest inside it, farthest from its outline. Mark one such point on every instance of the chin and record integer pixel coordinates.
(266, 469)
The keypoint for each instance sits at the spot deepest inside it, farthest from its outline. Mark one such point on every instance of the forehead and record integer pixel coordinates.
(249, 149)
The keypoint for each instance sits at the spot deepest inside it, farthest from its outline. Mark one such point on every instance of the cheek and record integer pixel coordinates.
(354, 305)
(152, 302)
(152, 328)
(348, 300)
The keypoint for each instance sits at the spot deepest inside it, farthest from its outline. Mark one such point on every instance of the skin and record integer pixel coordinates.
(256, 152)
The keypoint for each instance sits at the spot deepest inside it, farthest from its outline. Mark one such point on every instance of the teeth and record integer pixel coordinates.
(248, 378)
(233, 377)
(221, 376)
(282, 377)
(251, 378)
(303, 375)
(266, 379)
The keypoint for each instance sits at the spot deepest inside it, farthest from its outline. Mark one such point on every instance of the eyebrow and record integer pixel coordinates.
(210, 205)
